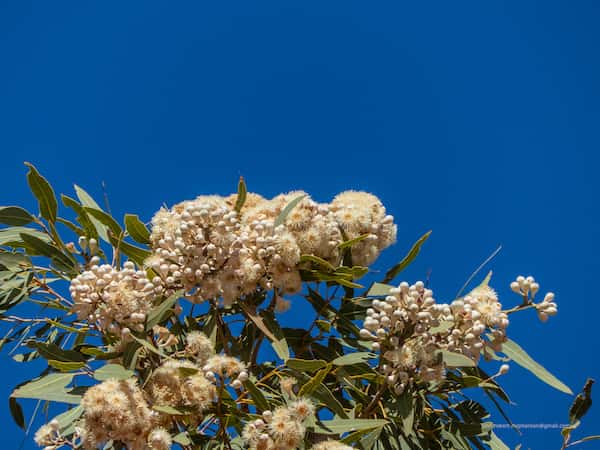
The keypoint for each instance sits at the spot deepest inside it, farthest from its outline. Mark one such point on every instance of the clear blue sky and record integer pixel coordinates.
(478, 120)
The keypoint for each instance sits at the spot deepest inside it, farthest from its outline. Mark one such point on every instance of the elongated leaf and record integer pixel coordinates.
(41, 247)
(54, 352)
(43, 193)
(66, 421)
(257, 396)
(279, 344)
(14, 216)
(518, 355)
(353, 358)
(162, 311)
(9, 236)
(105, 219)
(379, 290)
(452, 359)
(88, 202)
(305, 365)
(496, 443)
(136, 229)
(241, 195)
(411, 255)
(52, 387)
(16, 412)
(312, 384)
(115, 371)
(318, 261)
(14, 262)
(135, 254)
(64, 366)
(148, 345)
(351, 242)
(339, 426)
(287, 210)
(82, 217)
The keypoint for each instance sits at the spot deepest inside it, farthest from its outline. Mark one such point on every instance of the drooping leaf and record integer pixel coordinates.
(518, 355)
(353, 358)
(379, 290)
(410, 256)
(66, 421)
(257, 396)
(11, 236)
(43, 193)
(160, 312)
(349, 243)
(452, 359)
(314, 382)
(496, 443)
(52, 387)
(64, 366)
(338, 426)
(16, 412)
(136, 229)
(41, 247)
(582, 402)
(105, 219)
(270, 328)
(280, 220)
(14, 216)
(54, 352)
(136, 254)
(305, 365)
(115, 371)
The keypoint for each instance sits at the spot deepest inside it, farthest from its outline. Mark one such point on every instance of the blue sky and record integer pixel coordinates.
(478, 120)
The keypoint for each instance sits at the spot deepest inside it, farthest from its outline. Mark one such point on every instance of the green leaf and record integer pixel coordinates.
(496, 443)
(241, 196)
(14, 262)
(14, 216)
(582, 402)
(353, 358)
(174, 411)
(16, 412)
(257, 396)
(105, 219)
(64, 366)
(43, 193)
(452, 359)
(136, 229)
(50, 387)
(411, 255)
(136, 254)
(318, 261)
(351, 242)
(41, 247)
(182, 439)
(339, 426)
(305, 365)
(9, 236)
(287, 210)
(270, 328)
(52, 351)
(83, 217)
(518, 355)
(148, 345)
(163, 310)
(115, 371)
(66, 421)
(88, 202)
(379, 290)
(312, 384)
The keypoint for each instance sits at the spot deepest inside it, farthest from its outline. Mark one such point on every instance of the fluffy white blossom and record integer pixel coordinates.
(113, 298)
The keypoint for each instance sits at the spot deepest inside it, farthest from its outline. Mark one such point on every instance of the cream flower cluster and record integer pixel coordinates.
(401, 327)
(116, 410)
(113, 299)
(210, 250)
(472, 315)
(527, 287)
(410, 328)
(48, 436)
(282, 429)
